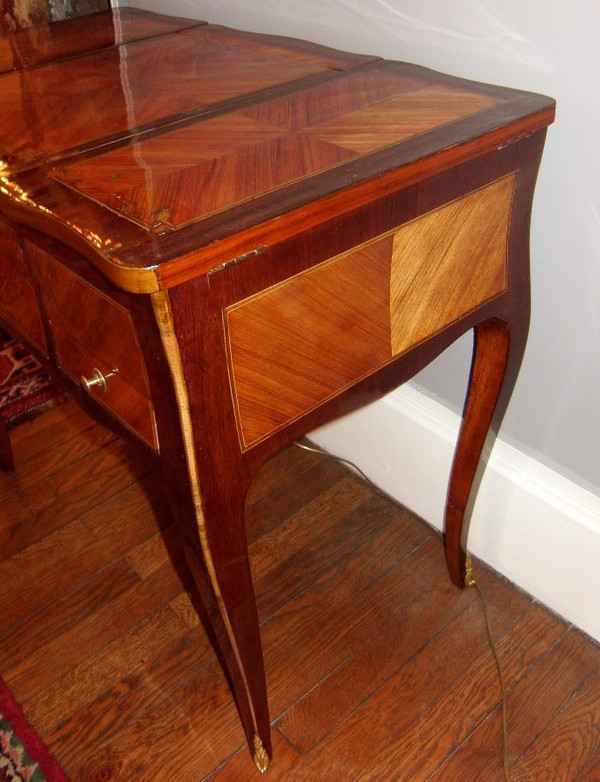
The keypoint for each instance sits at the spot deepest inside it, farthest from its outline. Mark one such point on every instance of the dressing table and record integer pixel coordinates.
(224, 240)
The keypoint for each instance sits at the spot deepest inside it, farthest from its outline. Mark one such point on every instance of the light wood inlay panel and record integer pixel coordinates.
(333, 327)
(430, 287)
(348, 316)
(92, 331)
(399, 116)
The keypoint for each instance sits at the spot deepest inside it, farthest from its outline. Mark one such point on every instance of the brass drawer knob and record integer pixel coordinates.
(97, 380)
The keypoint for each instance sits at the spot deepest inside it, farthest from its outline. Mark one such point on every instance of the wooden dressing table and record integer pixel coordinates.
(225, 240)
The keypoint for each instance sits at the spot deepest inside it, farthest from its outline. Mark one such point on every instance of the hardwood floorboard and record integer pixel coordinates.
(382, 657)
(102, 732)
(108, 621)
(126, 656)
(571, 741)
(378, 668)
(339, 537)
(57, 617)
(288, 482)
(48, 447)
(533, 703)
(35, 509)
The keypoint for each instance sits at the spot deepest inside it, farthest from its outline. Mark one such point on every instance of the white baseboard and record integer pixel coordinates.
(529, 523)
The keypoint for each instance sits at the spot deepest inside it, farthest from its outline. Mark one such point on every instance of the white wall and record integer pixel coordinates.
(543, 529)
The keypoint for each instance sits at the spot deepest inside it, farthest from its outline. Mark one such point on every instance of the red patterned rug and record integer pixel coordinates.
(26, 388)
(23, 756)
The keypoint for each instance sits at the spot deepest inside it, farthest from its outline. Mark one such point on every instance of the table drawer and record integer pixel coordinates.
(18, 302)
(96, 343)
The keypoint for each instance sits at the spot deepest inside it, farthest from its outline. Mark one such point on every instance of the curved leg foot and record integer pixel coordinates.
(490, 356)
(225, 583)
(209, 502)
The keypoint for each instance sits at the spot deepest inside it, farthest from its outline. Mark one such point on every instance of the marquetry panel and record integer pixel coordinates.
(90, 332)
(211, 165)
(446, 263)
(18, 302)
(304, 341)
(332, 326)
(116, 92)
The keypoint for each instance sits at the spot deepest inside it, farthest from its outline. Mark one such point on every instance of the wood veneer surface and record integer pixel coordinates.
(221, 162)
(92, 332)
(171, 171)
(139, 84)
(42, 43)
(20, 14)
(349, 316)
(18, 302)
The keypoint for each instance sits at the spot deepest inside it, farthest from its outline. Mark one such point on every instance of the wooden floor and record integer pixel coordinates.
(378, 668)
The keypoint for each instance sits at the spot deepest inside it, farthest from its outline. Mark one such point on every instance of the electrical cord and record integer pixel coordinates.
(469, 582)
(347, 462)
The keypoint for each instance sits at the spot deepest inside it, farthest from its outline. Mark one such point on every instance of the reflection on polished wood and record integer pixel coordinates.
(250, 236)
(20, 304)
(91, 331)
(224, 161)
(26, 14)
(113, 96)
(32, 46)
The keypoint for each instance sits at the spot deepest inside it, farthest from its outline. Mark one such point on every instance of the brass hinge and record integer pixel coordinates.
(238, 259)
(514, 140)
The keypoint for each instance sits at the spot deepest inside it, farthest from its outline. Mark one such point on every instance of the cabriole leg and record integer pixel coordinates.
(490, 355)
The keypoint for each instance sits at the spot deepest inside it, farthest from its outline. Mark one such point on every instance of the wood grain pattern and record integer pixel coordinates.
(405, 644)
(228, 588)
(34, 45)
(449, 262)
(533, 704)
(92, 332)
(348, 316)
(338, 310)
(29, 13)
(221, 162)
(394, 116)
(113, 95)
